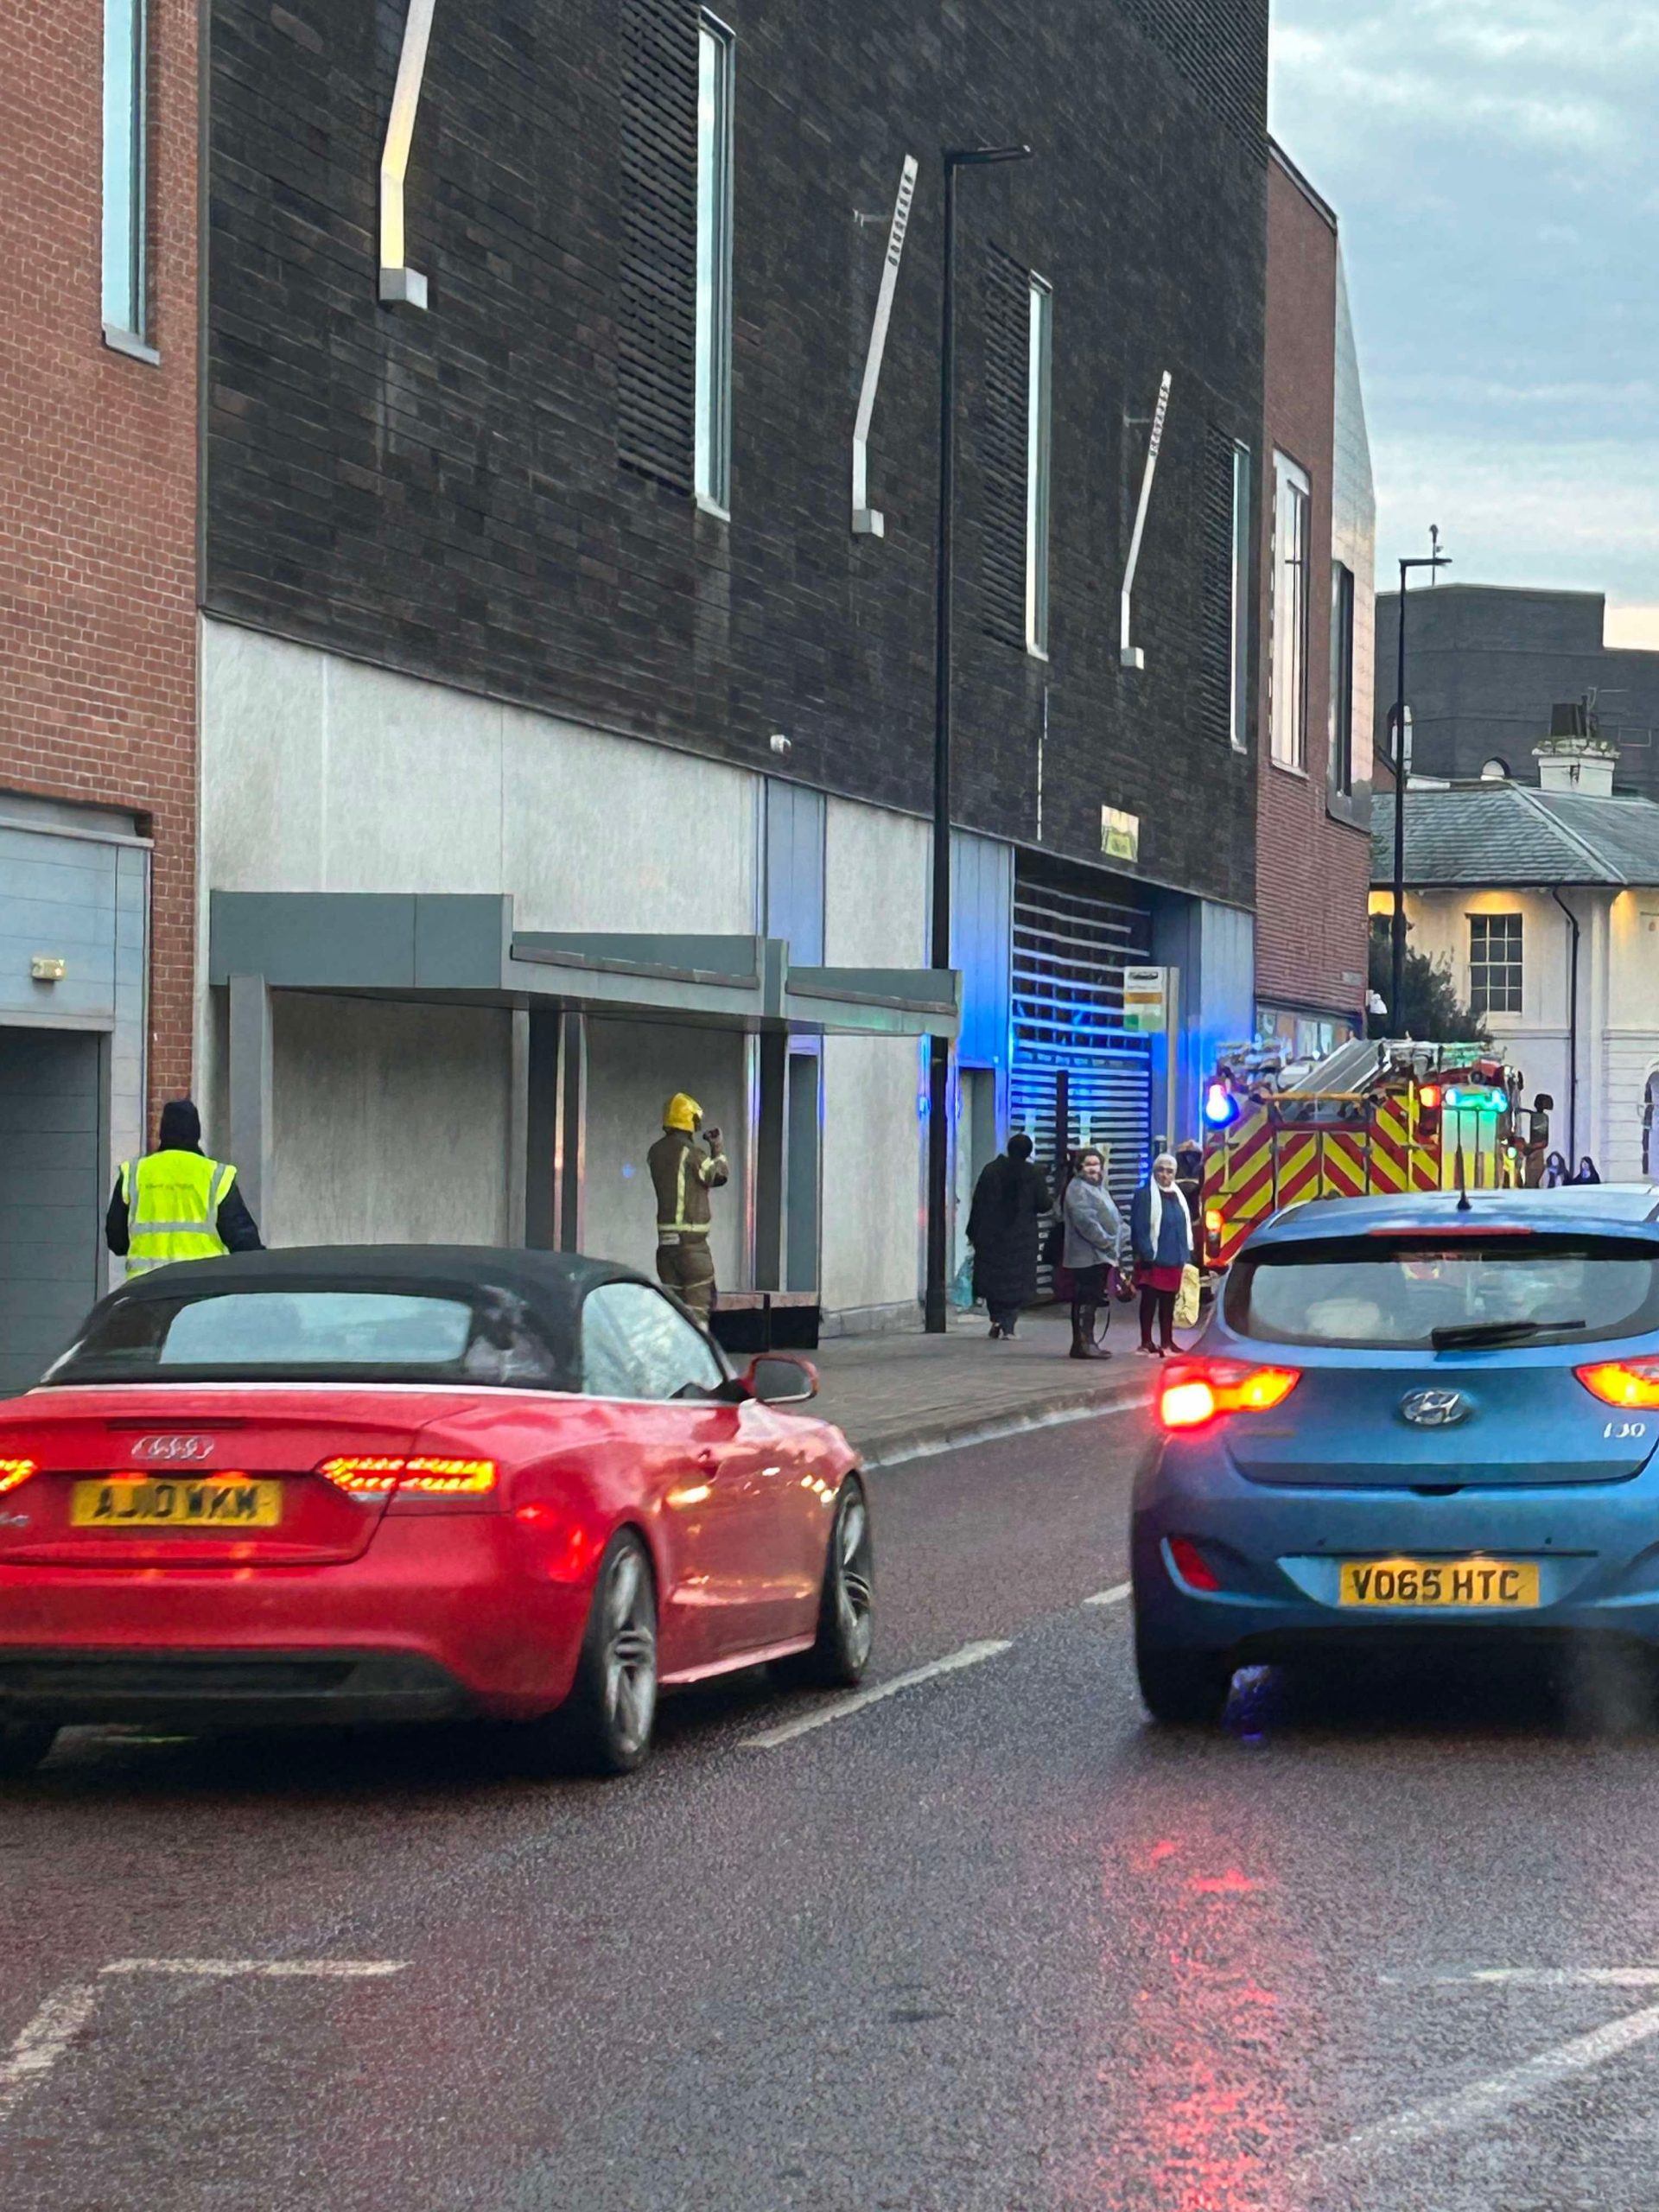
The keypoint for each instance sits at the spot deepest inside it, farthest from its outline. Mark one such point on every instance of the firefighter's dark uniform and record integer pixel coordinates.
(682, 1175)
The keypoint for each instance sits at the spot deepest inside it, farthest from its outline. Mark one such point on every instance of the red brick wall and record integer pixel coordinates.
(98, 470)
(1312, 872)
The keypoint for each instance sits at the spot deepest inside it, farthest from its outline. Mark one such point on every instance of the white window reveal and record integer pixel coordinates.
(1495, 966)
(1038, 441)
(716, 57)
(125, 183)
(1238, 716)
(1293, 528)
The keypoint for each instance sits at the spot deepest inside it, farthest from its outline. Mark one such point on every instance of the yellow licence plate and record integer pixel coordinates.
(1496, 1585)
(165, 1503)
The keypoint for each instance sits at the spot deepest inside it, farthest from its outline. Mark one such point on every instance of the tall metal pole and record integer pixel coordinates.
(934, 1299)
(1397, 990)
(934, 1309)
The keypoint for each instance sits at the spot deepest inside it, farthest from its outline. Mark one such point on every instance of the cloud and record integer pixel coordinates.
(1492, 163)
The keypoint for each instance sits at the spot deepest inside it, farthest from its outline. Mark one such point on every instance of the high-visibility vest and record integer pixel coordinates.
(173, 1201)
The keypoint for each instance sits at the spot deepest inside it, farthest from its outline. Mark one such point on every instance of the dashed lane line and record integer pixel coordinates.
(971, 1654)
(68, 2011)
(1113, 1597)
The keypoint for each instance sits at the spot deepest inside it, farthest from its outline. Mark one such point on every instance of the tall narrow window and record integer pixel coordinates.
(1342, 680)
(123, 166)
(1038, 437)
(1496, 972)
(1293, 514)
(713, 389)
(1238, 716)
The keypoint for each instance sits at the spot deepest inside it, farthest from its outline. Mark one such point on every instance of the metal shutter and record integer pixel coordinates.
(656, 375)
(1003, 440)
(1070, 951)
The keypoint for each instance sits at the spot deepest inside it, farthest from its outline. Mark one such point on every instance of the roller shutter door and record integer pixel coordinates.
(1070, 951)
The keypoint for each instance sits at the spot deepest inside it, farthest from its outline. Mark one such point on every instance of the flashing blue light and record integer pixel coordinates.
(1463, 1100)
(1220, 1107)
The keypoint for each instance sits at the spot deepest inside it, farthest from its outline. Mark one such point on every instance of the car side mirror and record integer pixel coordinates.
(777, 1378)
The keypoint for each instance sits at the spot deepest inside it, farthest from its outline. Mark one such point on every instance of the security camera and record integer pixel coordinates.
(779, 742)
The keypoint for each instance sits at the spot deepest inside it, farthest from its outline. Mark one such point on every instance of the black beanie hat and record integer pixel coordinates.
(180, 1130)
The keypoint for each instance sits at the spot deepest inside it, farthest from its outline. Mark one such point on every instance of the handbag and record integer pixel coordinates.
(1189, 1300)
(1054, 1244)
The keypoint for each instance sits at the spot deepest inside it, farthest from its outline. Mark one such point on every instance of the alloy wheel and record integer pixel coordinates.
(855, 1595)
(630, 1649)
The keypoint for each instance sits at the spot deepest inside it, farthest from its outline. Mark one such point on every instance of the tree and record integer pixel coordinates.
(1432, 1013)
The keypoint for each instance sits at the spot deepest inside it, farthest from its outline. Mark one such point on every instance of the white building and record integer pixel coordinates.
(1542, 904)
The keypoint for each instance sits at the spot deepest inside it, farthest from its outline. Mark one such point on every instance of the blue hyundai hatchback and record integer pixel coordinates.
(1423, 1421)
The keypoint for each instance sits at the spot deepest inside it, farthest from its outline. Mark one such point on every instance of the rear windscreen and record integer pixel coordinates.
(1394, 1293)
(269, 1334)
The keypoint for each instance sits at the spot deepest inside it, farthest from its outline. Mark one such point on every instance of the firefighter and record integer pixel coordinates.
(683, 1176)
(173, 1204)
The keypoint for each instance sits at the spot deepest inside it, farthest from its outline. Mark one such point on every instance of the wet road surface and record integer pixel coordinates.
(988, 1942)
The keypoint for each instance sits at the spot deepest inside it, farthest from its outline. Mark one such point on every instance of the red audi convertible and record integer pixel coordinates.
(364, 1484)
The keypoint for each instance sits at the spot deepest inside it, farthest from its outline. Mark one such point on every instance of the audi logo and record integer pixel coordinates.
(174, 1451)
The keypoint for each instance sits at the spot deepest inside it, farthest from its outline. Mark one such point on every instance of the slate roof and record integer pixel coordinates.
(1512, 836)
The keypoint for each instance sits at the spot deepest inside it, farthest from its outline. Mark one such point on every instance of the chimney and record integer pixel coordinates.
(1575, 757)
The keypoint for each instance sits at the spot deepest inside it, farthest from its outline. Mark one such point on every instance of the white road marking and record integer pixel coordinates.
(970, 1655)
(68, 2010)
(268, 1969)
(1539, 1977)
(1481, 2100)
(1113, 1597)
(44, 2041)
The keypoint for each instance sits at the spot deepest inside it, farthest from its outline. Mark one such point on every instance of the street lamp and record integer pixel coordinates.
(939, 1056)
(1435, 560)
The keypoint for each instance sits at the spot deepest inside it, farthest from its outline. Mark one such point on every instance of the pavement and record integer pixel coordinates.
(898, 1395)
(981, 1941)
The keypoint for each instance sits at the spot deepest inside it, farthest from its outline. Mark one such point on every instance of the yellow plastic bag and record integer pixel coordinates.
(1188, 1304)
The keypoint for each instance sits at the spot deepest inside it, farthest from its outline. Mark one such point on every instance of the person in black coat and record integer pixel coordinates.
(1010, 1198)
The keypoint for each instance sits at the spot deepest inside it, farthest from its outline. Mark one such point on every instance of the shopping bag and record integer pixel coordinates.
(961, 1290)
(1188, 1303)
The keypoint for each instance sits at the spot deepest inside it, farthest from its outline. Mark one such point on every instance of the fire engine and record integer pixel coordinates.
(1370, 1119)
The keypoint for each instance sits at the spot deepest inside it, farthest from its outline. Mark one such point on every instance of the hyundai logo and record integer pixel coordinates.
(1435, 1409)
(174, 1451)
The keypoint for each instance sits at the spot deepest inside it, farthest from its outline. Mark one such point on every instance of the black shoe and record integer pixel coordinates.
(995, 1332)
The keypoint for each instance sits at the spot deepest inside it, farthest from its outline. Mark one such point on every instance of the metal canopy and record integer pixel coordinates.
(443, 946)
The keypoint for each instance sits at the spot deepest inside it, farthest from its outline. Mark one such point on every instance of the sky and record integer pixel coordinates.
(1496, 167)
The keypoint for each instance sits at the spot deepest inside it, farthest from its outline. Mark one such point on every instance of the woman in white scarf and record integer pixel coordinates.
(1160, 1225)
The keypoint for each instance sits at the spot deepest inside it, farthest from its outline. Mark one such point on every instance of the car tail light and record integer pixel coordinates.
(13, 1471)
(1631, 1383)
(1198, 1391)
(1191, 1566)
(379, 1478)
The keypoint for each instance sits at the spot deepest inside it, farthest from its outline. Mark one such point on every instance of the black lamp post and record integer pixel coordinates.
(1396, 998)
(935, 1305)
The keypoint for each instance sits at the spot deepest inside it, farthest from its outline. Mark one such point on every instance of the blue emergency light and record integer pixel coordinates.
(1465, 1098)
(1220, 1107)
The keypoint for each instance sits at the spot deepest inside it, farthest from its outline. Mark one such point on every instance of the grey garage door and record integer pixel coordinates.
(51, 1201)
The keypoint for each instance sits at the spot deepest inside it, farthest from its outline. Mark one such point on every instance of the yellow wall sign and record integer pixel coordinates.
(1120, 834)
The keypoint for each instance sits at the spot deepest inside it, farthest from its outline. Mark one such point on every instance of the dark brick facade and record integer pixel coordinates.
(1312, 871)
(97, 473)
(442, 492)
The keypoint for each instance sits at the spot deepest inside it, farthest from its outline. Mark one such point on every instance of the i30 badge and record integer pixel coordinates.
(1435, 1409)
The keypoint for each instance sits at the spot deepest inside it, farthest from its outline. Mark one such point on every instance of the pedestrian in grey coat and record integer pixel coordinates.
(1094, 1246)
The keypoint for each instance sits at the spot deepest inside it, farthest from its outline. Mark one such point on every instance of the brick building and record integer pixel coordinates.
(97, 625)
(566, 734)
(1318, 597)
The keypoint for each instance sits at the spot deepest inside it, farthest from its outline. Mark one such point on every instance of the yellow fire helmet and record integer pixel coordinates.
(683, 1113)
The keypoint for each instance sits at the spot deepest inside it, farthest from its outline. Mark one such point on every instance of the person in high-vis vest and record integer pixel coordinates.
(174, 1204)
(682, 1175)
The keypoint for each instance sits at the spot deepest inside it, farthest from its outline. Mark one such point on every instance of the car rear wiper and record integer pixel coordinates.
(1498, 1332)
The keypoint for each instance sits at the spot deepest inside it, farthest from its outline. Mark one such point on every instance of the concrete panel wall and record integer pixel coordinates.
(390, 1122)
(875, 913)
(632, 1067)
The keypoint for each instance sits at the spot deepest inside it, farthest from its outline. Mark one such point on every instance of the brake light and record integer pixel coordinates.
(1198, 1391)
(1631, 1383)
(379, 1478)
(1191, 1566)
(13, 1471)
